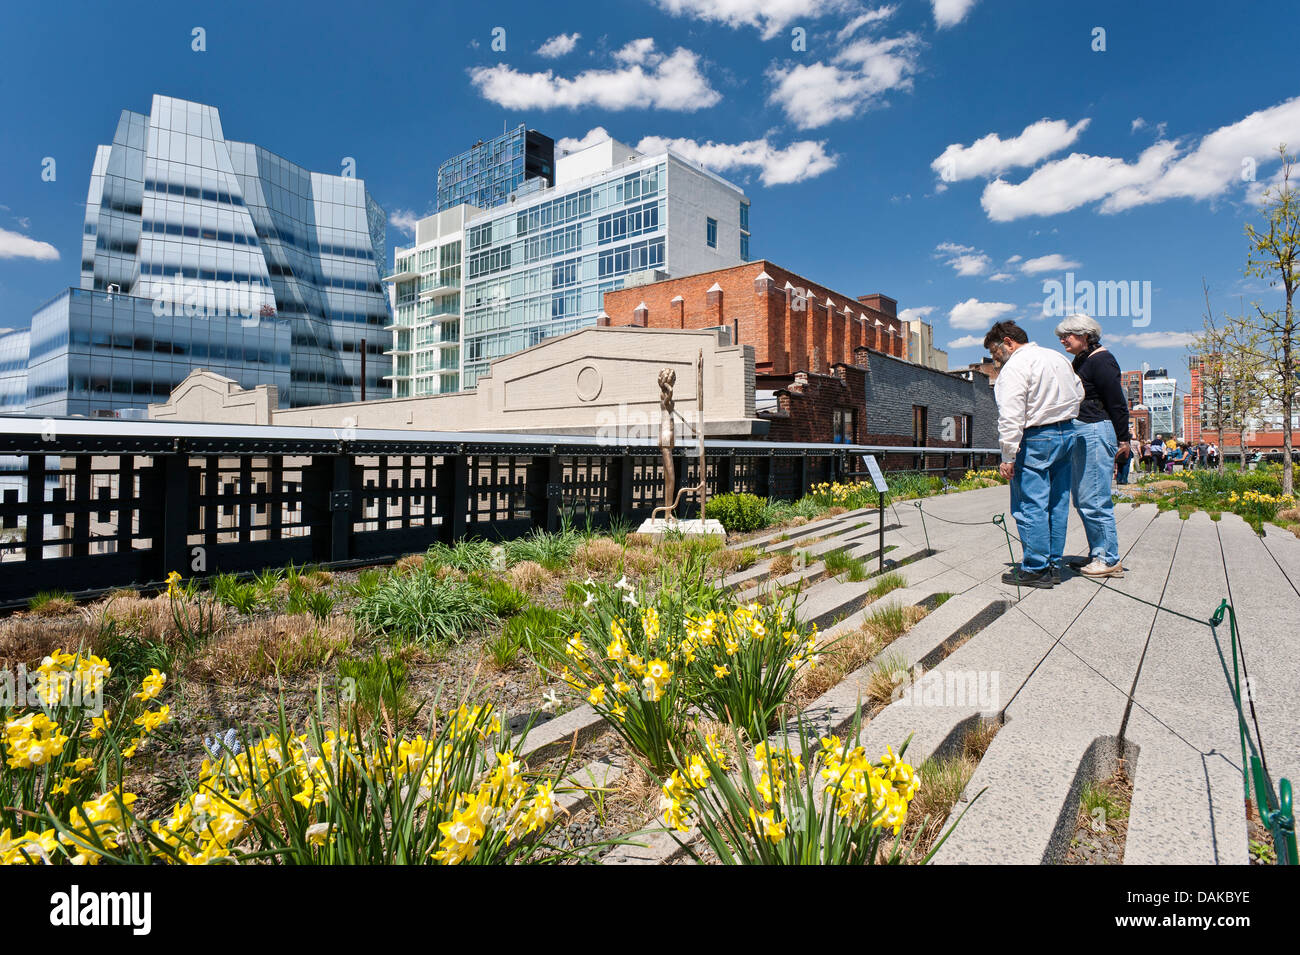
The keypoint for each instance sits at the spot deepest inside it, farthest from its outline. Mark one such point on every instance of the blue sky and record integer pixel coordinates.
(953, 154)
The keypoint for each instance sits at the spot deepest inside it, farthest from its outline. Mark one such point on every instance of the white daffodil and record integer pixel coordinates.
(630, 598)
(549, 702)
(623, 584)
(591, 599)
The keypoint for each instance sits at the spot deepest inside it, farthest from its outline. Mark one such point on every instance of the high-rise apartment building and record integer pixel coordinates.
(517, 162)
(1162, 398)
(199, 251)
(479, 284)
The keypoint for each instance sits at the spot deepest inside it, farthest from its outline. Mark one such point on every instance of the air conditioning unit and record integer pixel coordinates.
(646, 277)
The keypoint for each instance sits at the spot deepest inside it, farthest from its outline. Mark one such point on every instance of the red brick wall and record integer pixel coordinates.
(766, 315)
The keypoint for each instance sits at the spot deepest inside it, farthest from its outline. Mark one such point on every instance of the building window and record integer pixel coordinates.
(843, 426)
(711, 232)
(744, 216)
(744, 246)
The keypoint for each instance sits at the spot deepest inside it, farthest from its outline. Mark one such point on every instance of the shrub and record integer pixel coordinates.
(421, 608)
(738, 513)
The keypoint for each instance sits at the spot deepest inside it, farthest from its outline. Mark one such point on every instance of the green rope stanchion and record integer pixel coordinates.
(1000, 520)
(1275, 812)
(917, 505)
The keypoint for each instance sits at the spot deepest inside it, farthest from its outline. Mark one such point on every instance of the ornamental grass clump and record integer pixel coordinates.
(420, 607)
(832, 807)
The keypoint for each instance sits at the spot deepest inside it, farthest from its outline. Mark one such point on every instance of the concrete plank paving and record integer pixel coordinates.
(1187, 791)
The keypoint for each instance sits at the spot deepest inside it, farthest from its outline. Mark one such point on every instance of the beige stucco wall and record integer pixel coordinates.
(597, 380)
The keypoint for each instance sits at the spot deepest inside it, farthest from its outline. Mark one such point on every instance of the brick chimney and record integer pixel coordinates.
(679, 310)
(713, 302)
(640, 315)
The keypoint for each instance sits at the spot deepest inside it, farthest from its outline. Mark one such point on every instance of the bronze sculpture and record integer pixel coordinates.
(668, 441)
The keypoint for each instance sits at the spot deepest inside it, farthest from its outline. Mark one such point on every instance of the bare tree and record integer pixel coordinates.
(1242, 370)
(1274, 254)
(1207, 351)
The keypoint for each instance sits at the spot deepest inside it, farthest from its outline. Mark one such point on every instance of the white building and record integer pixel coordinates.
(479, 284)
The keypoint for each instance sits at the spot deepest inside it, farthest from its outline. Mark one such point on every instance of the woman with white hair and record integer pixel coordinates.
(1101, 441)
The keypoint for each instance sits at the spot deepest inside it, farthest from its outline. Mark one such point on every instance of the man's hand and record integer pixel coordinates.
(1122, 454)
(1007, 469)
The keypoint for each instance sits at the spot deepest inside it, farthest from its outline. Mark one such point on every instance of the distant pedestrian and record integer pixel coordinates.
(1038, 397)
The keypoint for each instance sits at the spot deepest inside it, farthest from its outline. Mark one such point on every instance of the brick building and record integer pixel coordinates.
(793, 324)
(880, 399)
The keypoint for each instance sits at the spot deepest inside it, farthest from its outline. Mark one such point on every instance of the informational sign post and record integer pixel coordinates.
(878, 479)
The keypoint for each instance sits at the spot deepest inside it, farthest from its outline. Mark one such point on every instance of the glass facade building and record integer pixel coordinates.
(192, 243)
(519, 161)
(480, 284)
(95, 353)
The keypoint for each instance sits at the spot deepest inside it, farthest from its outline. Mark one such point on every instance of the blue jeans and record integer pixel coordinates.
(1122, 475)
(1040, 494)
(1094, 460)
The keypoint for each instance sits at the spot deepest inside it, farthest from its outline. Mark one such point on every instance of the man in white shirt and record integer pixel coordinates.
(1038, 397)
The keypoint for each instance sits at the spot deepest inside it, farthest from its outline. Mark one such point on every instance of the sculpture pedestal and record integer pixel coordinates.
(655, 528)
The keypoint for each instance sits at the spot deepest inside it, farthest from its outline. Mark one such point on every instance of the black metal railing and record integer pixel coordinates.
(87, 505)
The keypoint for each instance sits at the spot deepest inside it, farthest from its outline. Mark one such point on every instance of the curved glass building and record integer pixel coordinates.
(202, 252)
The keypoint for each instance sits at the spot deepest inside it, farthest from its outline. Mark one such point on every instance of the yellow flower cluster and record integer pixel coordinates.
(174, 588)
(1256, 497)
(32, 741)
(501, 802)
(986, 474)
(630, 669)
(878, 795)
(64, 677)
(677, 795)
(98, 820)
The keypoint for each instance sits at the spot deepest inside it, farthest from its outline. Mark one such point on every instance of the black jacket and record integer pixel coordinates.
(1103, 391)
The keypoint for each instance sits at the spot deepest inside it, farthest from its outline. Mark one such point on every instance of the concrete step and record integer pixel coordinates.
(822, 525)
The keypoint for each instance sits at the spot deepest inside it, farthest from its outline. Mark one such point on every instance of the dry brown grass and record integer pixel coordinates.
(409, 564)
(724, 561)
(979, 738)
(799, 521)
(122, 593)
(28, 640)
(1288, 515)
(636, 794)
(640, 540)
(1295, 529)
(150, 618)
(529, 576)
(53, 606)
(835, 511)
(320, 578)
(781, 565)
(600, 555)
(839, 658)
(641, 561)
(280, 645)
(942, 782)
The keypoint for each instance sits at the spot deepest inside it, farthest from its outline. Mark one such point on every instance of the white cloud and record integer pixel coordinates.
(568, 144)
(777, 165)
(973, 314)
(15, 245)
(964, 259)
(912, 314)
(645, 79)
(403, 220)
(991, 154)
(1137, 124)
(967, 341)
(769, 17)
(559, 45)
(1065, 184)
(1164, 170)
(805, 159)
(1155, 339)
(948, 13)
(871, 16)
(856, 79)
(1002, 277)
(1047, 263)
